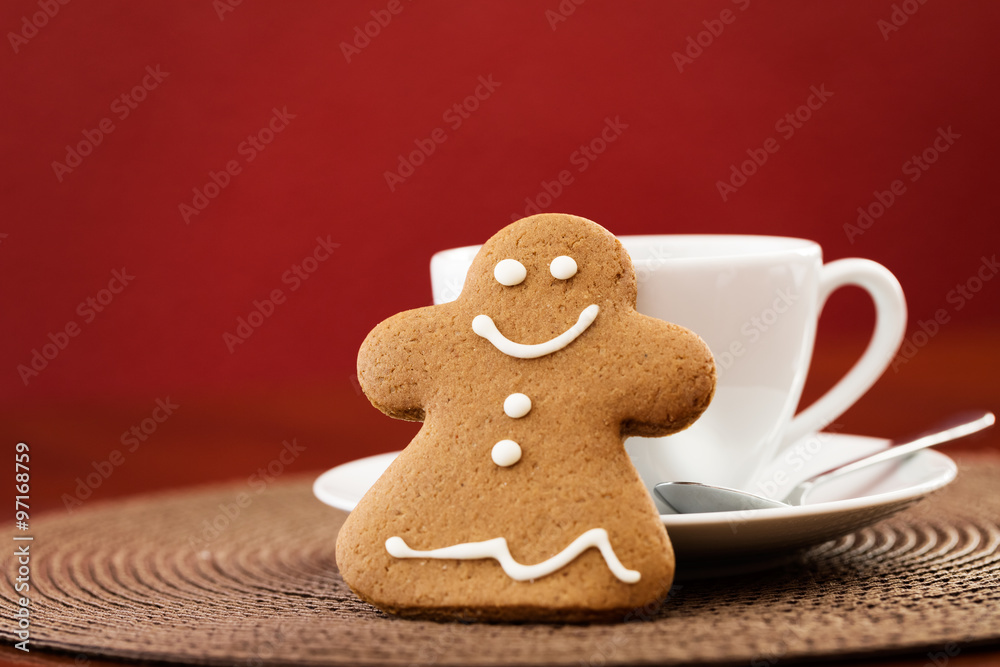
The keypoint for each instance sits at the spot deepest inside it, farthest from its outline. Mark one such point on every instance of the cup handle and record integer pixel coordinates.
(890, 326)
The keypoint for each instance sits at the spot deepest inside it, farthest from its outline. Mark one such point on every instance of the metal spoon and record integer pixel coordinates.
(691, 497)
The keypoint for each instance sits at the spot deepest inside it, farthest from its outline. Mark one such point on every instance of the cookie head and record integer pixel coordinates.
(544, 274)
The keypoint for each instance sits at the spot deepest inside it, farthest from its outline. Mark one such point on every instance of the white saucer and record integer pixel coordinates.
(836, 509)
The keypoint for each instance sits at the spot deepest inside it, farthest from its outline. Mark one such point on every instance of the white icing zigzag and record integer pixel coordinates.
(483, 325)
(497, 549)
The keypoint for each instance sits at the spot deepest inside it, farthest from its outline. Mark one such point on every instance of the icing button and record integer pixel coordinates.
(506, 453)
(509, 272)
(516, 406)
(563, 267)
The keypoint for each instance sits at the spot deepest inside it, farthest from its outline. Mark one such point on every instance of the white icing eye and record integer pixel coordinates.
(517, 405)
(510, 272)
(506, 453)
(563, 267)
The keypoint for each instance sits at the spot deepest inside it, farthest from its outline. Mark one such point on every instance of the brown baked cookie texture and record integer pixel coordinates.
(516, 500)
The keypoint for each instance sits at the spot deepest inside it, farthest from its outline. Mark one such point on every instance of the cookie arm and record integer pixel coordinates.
(392, 364)
(673, 378)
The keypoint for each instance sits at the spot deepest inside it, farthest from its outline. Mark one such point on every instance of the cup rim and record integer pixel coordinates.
(729, 247)
(748, 246)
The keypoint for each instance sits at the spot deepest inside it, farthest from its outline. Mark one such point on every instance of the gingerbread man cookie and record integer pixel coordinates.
(517, 500)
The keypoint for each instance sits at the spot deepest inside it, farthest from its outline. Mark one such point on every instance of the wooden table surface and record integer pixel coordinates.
(218, 436)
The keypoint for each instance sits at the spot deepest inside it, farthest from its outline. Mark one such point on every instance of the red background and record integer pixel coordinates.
(323, 176)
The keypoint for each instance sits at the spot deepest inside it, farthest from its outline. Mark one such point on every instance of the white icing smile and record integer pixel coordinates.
(483, 325)
(497, 550)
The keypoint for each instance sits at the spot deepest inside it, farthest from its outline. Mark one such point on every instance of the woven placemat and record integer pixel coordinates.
(225, 575)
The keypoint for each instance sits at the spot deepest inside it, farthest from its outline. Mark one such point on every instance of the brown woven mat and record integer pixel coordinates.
(152, 578)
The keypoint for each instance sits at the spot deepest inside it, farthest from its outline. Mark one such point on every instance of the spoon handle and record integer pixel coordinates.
(954, 428)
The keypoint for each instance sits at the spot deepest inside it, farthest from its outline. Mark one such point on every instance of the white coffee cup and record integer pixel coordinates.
(756, 301)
